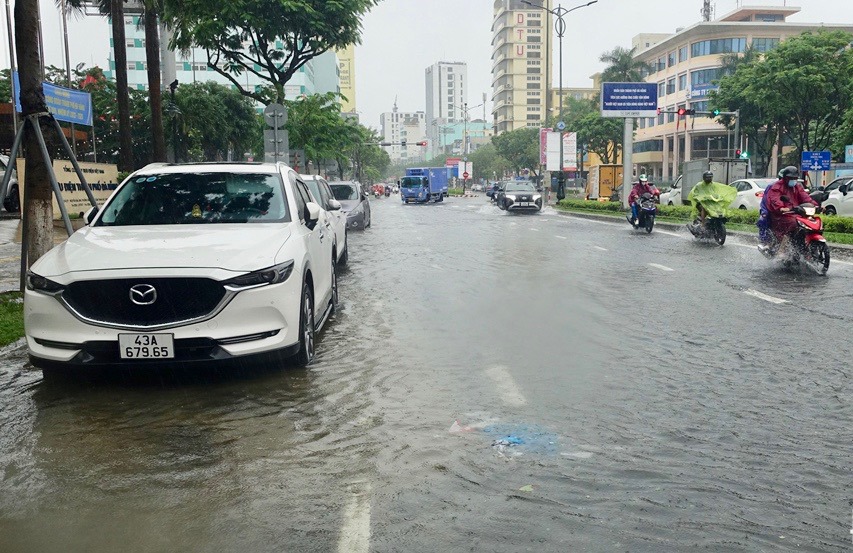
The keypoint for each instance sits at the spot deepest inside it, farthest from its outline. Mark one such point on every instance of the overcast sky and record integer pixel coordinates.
(403, 37)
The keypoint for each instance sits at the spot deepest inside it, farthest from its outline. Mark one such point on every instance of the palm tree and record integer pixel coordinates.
(623, 67)
(153, 8)
(730, 62)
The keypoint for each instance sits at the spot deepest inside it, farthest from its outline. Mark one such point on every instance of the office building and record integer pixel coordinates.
(398, 126)
(446, 96)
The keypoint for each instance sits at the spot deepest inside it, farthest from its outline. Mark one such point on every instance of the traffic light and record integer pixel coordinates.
(660, 110)
(737, 153)
(684, 111)
(403, 143)
(421, 143)
(716, 113)
(744, 155)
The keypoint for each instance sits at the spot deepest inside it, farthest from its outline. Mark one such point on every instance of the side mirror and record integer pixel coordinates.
(90, 214)
(334, 205)
(313, 214)
(843, 189)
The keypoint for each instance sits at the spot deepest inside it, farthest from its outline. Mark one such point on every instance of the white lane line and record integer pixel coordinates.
(355, 531)
(535, 229)
(668, 233)
(437, 267)
(506, 386)
(661, 267)
(765, 297)
(599, 248)
(560, 237)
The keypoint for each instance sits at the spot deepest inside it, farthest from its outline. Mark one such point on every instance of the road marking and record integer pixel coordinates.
(661, 267)
(355, 531)
(599, 248)
(560, 237)
(765, 297)
(535, 229)
(506, 386)
(668, 233)
(5, 259)
(437, 267)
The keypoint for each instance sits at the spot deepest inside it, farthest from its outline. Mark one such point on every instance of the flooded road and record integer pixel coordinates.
(491, 383)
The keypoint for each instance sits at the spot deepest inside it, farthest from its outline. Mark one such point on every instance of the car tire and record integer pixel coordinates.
(335, 297)
(306, 328)
(12, 202)
(345, 255)
(743, 207)
(670, 203)
(830, 210)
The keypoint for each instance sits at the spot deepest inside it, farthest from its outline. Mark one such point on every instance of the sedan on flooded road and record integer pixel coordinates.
(517, 196)
(187, 264)
(354, 203)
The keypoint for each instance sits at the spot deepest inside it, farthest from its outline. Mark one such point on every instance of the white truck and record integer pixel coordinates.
(726, 171)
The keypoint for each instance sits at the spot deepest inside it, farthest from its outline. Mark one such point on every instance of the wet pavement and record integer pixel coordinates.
(492, 383)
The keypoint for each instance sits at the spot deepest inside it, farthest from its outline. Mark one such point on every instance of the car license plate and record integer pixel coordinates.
(523, 204)
(146, 346)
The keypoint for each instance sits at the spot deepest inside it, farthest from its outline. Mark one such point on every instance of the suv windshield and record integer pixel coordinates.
(520, 187)
(197, 198)
(344, 191)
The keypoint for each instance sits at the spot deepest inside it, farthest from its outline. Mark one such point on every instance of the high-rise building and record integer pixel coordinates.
(446, 97)
(318, 76)
(398, 126)
(346, 65)
(521, 64)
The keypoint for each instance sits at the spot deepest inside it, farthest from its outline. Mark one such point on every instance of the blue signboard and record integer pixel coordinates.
(629, 99)
(700, 91)
(66, 104)
(816, 161)
(848, 153)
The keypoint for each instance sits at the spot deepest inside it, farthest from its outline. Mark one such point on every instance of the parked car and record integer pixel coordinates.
(477, 188)
(519, 196)
(336, 219)
(354, 203)
(840, 201)
(12, 201)
(187, 265)
(750, 192)
(673, 195)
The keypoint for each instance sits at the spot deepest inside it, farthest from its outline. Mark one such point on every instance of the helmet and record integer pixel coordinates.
(644, 178)
(707, 175)
(789, 172)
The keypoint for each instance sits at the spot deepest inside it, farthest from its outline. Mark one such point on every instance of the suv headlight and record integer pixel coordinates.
(271, 275)
(537, 197)
(38, 283)
(510, 197)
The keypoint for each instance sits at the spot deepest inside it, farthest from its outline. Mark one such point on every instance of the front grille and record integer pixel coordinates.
(178, 299)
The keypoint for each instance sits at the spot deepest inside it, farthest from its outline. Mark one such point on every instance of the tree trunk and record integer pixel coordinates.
(38, 203)
(125, 150)
(155, 87)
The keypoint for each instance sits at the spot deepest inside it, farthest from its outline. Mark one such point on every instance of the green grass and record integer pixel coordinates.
(11, 317)
(454, 191)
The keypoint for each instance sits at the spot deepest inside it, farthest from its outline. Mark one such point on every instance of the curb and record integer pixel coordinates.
(844, 250)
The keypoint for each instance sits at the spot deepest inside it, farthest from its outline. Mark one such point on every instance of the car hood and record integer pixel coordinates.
(349, 205)
(238, 247)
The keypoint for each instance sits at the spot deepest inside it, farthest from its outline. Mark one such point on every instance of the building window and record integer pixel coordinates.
(534, 63)
(718, 46)
(699, 106)
(682, 54)
(660, 118)
(670, 59)
(670, 117)
(130, 43)
(670, 86)
(682, 81)
(648, 146)
(536, 109)
(705, 76)
(533, 93)
(131, 66)
(534, 39)
(661, 90)
(533, 54)
(661, 64)
(532, 118)
(651, 121)
(534, 78)
(642, 122)
(765, 44)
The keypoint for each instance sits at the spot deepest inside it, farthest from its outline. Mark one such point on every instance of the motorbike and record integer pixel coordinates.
(387, 192)
(646, 214)
(713, 229)
(805, 246)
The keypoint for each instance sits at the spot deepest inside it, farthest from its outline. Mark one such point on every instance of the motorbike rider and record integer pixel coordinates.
(641, 187)
(710, 198)
(783, 196)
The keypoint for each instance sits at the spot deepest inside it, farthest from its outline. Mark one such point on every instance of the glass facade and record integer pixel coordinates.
(765, 44)
(718, 46)
(705, 76)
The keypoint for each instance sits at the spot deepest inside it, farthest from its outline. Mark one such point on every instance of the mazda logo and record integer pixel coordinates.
(143, 294)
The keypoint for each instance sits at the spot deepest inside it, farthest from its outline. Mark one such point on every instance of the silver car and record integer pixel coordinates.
(336, 219)
(353, 202)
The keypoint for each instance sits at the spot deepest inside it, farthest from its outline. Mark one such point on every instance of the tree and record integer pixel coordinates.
(152, 9)
(623, 67)
(520, 148)
(488, 163)
(271, 39)
(314, 124)
(38, 207)
(601, 135)
(805, 86)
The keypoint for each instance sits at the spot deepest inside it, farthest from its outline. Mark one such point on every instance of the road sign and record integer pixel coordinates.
(275, 115)
(848, 154)
(561, 126)
(465, 175)
(629, 99)
(816, 161)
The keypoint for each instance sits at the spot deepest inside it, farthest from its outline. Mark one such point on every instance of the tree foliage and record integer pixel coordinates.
(601, 135)
(520, 148)
(805, 86)
(488, 163)
(271, 39)
(623, 67)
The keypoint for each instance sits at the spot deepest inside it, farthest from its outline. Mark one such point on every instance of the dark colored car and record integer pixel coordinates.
(353, 202)
(519, 196)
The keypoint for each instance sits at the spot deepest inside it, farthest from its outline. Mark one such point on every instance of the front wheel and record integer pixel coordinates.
(720, 233)
(819, 253)
(12, 203)
(829, 210)
(650, 223)
(306, 328)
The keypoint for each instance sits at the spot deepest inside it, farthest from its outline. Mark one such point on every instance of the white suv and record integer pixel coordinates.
(336, 219)
(187, 264)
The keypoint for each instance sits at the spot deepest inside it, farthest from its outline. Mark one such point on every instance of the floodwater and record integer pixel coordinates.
(491, 383)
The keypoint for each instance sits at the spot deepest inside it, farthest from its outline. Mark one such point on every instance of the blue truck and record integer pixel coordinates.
(424, 184)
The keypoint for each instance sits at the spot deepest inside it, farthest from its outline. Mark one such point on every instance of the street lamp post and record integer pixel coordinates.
(560, 28)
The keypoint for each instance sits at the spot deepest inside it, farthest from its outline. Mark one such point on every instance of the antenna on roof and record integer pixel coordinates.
(706, 11)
